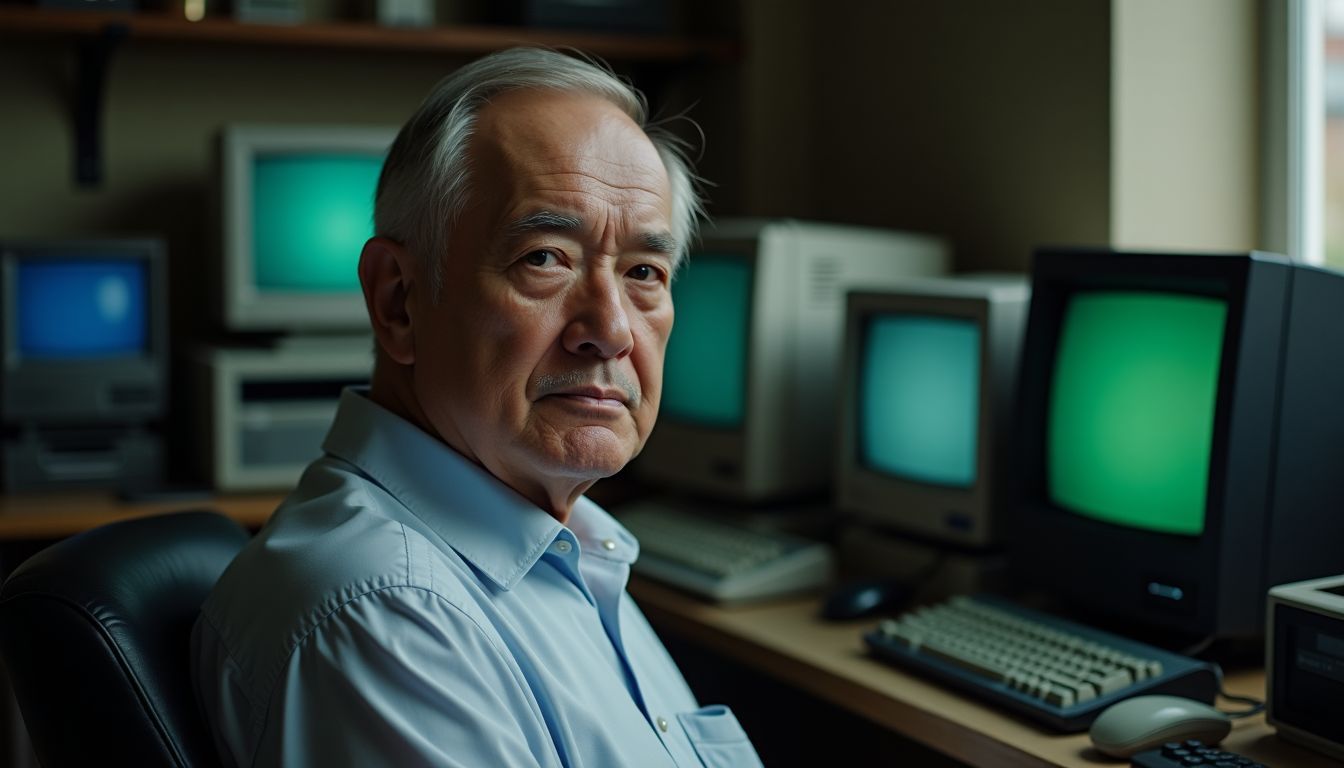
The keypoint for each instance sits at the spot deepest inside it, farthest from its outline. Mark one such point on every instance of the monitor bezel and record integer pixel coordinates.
(243, 306)
(85, 390)
(1047, 540)
(936, 512)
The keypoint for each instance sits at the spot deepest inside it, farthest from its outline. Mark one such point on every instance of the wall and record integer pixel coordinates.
(780, 78)
(1184, 106)
(1003, 126)
(985, 122)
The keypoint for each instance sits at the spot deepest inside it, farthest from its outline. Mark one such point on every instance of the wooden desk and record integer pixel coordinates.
(55, 516)
(785, 640)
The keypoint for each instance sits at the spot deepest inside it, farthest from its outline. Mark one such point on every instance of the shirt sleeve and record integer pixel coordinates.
(400, 676)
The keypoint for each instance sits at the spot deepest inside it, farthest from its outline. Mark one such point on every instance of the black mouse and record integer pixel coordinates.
(862, 599)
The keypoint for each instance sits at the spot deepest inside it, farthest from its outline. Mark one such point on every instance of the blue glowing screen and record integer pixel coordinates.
(80, 309)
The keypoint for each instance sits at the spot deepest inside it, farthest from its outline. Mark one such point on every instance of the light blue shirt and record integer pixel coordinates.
(404, 607)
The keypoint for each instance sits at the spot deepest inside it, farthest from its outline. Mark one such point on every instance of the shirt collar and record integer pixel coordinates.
(493, 527)
(600, 535)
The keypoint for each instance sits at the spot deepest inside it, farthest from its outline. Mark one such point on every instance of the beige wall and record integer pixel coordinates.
(780, 78)
(985, 122)
(1003, 126)
(1184, 112)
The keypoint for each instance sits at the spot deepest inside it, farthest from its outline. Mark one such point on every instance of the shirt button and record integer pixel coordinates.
(562, 547)
(662, 725)
(608, 545)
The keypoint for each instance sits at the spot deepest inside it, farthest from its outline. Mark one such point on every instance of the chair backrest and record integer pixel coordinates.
(95, 637)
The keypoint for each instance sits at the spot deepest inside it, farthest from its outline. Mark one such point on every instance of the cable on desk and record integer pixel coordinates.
(1198, 647)
(1257, 706)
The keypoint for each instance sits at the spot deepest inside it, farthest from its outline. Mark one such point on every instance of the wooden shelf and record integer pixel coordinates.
(463, 40)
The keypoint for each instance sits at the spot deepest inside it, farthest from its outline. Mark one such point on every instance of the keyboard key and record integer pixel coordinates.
(1110, 681)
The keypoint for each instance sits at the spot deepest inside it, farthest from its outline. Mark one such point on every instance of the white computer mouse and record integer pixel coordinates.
(1145, 722)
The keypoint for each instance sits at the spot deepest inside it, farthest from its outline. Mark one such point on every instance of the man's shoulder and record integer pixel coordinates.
(338, 539)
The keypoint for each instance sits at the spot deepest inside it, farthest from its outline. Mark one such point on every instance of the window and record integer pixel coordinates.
(1333, 136)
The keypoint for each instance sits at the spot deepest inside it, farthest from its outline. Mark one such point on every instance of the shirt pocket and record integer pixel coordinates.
(718, 739)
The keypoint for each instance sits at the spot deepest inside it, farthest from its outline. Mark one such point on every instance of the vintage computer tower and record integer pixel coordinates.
(266, 411)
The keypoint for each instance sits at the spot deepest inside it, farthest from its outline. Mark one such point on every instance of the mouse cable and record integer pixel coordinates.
(1198, 647)
(1257, 706)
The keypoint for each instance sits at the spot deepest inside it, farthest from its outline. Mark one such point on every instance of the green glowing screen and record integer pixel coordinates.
(704, 375)
(1132, 406)
(919, 398)
(311, 214)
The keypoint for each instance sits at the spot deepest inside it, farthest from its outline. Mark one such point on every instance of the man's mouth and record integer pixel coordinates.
(600, 397)
(607, 389)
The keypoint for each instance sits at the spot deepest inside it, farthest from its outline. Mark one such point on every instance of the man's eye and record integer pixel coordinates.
(642, 272)
(541, 258)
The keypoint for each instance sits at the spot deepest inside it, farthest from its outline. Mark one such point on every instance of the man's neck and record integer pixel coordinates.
(392, 390)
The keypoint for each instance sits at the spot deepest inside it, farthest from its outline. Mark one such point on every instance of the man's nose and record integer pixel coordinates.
(599, 322)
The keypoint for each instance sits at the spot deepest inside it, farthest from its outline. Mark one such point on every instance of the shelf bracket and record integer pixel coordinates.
(92, 57)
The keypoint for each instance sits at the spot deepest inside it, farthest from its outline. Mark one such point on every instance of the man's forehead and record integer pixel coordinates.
(564, 162)
(535, 132)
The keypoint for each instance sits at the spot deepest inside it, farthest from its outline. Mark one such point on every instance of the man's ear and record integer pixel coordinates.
(387, 271)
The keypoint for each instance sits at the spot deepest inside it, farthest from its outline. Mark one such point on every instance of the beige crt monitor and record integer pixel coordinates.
(1304, 663)
(927, 382)
(296, 206)
(748, 402)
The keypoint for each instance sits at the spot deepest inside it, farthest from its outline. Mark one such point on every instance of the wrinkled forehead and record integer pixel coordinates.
(532, 141)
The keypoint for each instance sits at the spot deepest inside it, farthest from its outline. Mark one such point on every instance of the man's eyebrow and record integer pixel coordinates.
(660, 242)
(547, 221)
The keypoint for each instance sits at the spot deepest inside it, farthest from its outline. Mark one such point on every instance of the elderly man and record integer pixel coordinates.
(437, 590)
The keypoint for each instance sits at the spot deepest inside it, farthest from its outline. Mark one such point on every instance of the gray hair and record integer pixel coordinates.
(426, 179)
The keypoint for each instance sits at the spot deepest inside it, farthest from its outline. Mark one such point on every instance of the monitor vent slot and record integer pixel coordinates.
(825, 279)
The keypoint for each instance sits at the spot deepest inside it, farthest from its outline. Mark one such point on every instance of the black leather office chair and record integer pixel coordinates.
(95, 636)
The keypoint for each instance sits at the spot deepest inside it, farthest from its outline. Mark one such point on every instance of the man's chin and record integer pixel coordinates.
(593, 452)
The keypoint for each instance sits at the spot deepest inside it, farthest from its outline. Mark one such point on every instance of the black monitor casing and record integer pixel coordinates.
(1276, 472)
